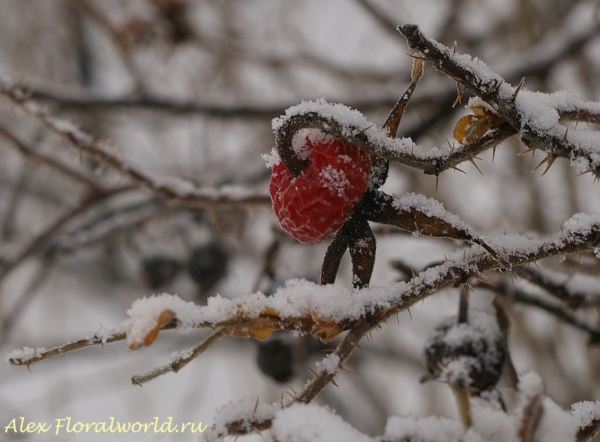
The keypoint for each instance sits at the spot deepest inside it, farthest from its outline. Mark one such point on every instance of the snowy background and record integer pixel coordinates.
(193, 98)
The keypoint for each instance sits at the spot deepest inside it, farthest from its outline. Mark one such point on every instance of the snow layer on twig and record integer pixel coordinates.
(313, 423)
(354, 123)
(300, 298)
(329, 364)
(244, 413)
(24, 354)
(430, 207)
(586, 412)
(423, 429)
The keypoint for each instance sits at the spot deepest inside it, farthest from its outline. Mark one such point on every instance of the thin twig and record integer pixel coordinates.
(175, 191)
(51, 230)
(49, 161)
(179, 363)
(43, 354)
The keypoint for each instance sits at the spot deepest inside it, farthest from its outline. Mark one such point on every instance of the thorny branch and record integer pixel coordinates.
(50, 162)
(582, 235)
(173, 191)
(448, 274)
(417, 289)
(50, 231)
(517, 295)
(507, 101)
(180, 362)
(430, 163)
(572, 298)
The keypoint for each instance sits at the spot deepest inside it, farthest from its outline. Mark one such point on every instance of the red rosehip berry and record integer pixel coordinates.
(317, 202)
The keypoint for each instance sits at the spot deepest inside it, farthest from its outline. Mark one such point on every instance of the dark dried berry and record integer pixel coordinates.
(477, 346)
(160, 270)
(275, 359)
(207, 265)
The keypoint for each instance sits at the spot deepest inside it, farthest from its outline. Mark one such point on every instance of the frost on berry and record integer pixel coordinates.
(317, 202)
(475, 347)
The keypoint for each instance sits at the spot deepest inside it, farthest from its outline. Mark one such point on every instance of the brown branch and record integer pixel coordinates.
(571, 297)
(582, 115)
(21, 357)
(492, 88)
(42, 238)
(63, 169)
(174, 191)
(517, 295)
(180, 362)
(421, 287)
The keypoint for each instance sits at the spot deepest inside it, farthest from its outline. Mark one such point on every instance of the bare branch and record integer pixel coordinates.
(53, 229)
(177, 192)
(180, 362)
(28, 356)
(51, 162)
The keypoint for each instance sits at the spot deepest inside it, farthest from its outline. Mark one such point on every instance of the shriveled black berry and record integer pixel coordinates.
(477, 346)
(275, 359)
(160, 270)
(207, 265)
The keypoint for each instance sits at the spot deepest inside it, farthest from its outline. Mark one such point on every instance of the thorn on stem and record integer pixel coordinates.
(518, 89)
(550, 159)
(343, 367)
(459, 95)
(476, 167)
(539, 165)
(514, 276)
(526, 151)
(367, 128)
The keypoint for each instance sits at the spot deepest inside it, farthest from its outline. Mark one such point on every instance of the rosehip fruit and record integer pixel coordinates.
(208, 265)
(477, 345)
(276, 359)
(317, 202)
(160, 270)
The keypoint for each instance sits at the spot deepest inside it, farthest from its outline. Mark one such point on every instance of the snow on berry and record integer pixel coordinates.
(317, 202)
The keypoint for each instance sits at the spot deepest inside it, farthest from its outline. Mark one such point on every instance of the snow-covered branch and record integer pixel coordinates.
(536, 117)
(352, 127)
(173, 190)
